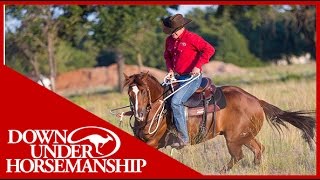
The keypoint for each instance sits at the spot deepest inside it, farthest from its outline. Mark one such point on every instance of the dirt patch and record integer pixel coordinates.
(90, 78)
(219, 67)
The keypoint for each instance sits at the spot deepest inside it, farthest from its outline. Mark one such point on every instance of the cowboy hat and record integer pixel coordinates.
(173, 23)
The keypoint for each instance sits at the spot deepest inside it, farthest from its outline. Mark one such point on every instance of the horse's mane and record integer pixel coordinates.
(152, 77)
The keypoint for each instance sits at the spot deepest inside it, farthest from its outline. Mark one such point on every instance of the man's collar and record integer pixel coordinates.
(182, 34)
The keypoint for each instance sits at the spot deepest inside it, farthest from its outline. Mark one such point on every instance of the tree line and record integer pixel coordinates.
(52, 39)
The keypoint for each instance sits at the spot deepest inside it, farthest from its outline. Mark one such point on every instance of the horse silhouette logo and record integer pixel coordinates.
(97, 140)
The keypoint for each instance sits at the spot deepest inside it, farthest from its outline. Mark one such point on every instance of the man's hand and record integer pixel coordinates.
(170, 73)
(195, 71)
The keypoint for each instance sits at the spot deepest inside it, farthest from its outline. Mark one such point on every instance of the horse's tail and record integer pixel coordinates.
(299, 119)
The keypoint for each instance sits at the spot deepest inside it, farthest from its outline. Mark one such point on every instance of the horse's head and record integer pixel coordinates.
(139, 94)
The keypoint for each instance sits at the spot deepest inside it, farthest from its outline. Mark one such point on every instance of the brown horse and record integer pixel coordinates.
(239, 122)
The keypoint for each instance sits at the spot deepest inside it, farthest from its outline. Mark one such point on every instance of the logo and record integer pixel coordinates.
(85, 149)
(97, 140)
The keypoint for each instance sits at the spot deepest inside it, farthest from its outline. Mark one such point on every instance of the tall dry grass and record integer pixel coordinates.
(285, 154)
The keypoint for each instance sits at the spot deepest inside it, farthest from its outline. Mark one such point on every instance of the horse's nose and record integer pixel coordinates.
(140, 116)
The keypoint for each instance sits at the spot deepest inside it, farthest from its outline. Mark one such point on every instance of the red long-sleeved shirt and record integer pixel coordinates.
(189, 50)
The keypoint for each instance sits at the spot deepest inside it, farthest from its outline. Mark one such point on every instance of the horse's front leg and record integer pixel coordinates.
(153, 142)
(157, 140)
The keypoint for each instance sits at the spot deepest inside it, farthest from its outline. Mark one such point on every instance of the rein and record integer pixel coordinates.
(112, 110)
(170, 82)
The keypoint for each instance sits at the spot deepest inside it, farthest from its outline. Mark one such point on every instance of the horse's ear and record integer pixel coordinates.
(145, 75)
(127, 80)
(126, 76)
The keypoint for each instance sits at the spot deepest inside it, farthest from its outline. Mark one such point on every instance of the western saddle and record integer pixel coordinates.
(207, 99)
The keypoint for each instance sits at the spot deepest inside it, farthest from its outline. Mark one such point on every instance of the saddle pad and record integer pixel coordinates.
(220, 103)
(196, 100)
(198, 111)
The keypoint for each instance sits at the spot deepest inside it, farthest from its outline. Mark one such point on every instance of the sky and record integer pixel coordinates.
(184, 9)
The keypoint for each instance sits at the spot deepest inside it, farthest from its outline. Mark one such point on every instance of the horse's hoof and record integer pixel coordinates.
(174, 149)
(171, 152)
(223, 170)
(179, 146)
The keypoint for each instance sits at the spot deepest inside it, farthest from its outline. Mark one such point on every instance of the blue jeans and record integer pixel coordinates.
(177, 106)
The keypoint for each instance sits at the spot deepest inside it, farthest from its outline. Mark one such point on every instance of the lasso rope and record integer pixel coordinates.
(170, 82)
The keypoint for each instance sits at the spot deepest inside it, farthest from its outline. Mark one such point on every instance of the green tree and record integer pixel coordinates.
(244, 34)
(231, 46)
(122, 27)
(76, 47)
(71, 58)
(56, 34)
(275, 31)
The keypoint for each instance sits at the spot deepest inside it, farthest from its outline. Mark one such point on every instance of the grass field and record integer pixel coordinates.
(290, 88)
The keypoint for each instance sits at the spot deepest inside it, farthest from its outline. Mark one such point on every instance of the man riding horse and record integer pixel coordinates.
(239, 119)
(185, 53)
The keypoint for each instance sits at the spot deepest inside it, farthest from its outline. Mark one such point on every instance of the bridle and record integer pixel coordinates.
(149, 105)
(143, 123)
